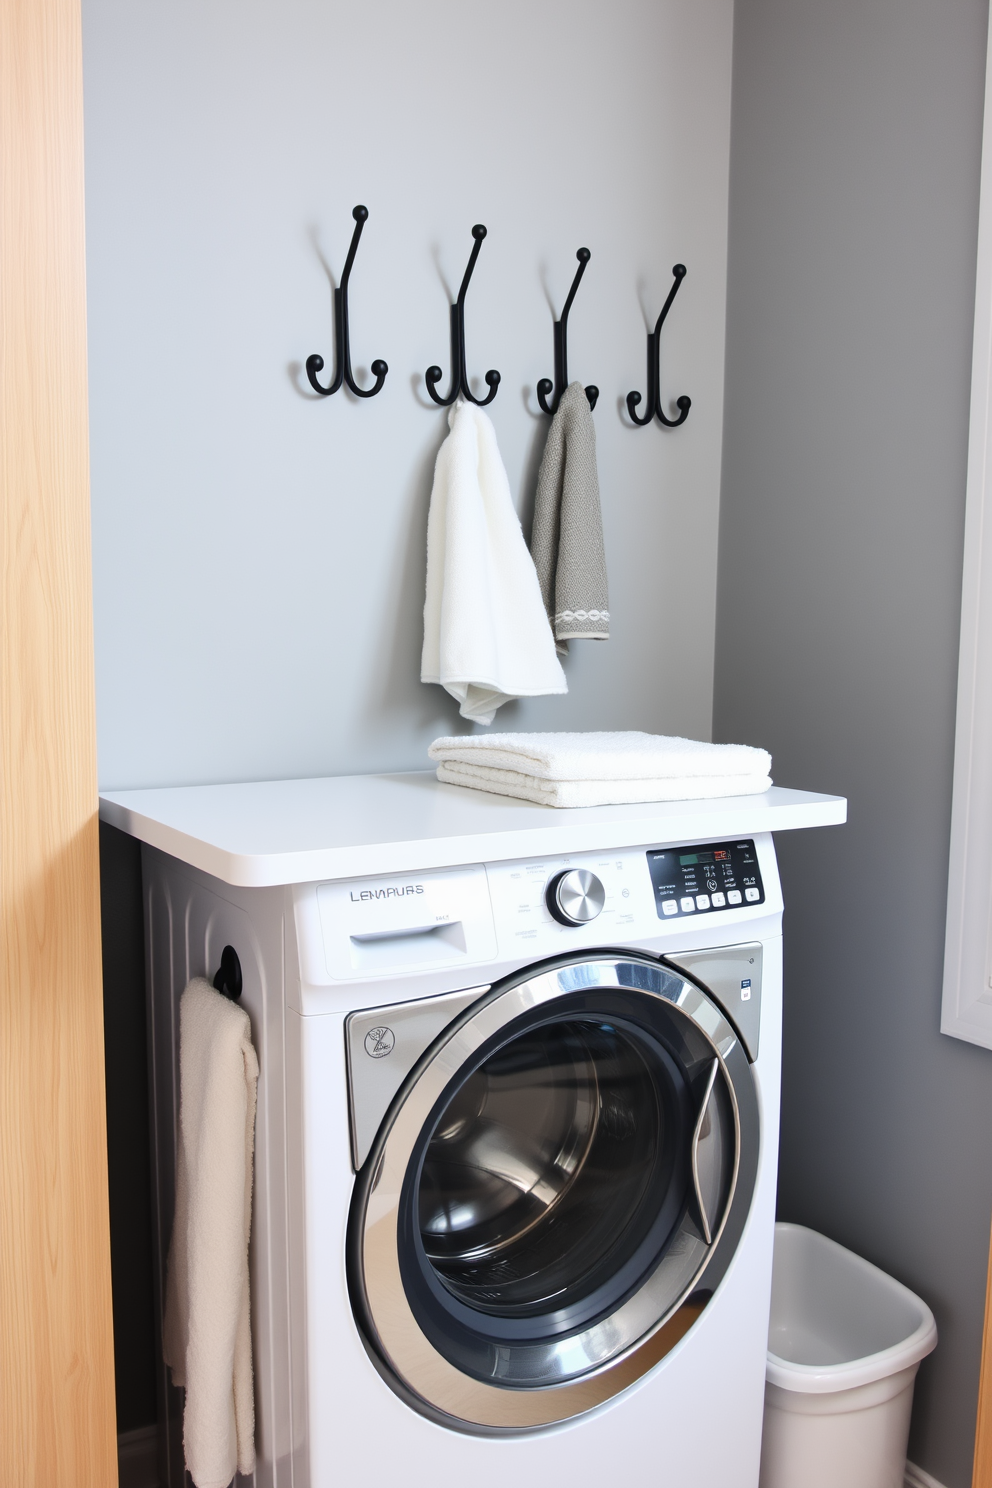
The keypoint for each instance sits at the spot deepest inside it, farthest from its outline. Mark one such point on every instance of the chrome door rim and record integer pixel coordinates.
(615, 1352)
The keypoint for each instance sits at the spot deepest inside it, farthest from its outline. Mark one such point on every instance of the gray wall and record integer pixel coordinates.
(854, 197)
(259, 553)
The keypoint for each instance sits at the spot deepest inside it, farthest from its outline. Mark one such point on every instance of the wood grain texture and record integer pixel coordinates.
(981, 1476)
(57, 1427)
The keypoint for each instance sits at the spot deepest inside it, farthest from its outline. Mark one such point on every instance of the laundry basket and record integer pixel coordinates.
(844, 1344)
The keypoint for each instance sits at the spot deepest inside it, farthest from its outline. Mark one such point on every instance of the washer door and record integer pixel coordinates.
(554, 1193)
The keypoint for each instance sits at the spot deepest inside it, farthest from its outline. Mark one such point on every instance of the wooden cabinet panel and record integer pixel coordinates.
(56, 1347)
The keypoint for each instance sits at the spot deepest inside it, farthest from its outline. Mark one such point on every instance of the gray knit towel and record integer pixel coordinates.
(567, 538)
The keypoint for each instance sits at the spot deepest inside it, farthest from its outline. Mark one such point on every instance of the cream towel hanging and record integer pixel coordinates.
(207, 1332)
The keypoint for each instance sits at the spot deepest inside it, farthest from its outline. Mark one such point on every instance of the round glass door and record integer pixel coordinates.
(550, 1168)
(561, 1174)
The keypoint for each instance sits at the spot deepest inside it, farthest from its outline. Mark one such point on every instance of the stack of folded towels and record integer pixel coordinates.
(600, 769)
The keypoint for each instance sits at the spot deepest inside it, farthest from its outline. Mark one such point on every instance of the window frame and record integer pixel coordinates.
(966, 1008)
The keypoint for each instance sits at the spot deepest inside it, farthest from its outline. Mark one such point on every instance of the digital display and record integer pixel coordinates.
(702, 879)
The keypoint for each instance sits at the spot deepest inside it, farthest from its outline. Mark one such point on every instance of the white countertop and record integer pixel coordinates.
(346, 826)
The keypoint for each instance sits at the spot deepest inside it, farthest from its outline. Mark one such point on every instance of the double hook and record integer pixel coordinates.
(544, 387)
(342, 341)
(654, 408)
(459, 373)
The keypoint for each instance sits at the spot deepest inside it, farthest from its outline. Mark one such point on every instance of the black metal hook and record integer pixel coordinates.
(342, 339)
(228, 979)
(544, 387)
(459, 373)
(654, 408)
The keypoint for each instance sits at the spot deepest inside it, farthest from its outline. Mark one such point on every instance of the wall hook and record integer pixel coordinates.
(544, 387)
(228, 979)
(459, 373)
(654, 408)
(342, 340)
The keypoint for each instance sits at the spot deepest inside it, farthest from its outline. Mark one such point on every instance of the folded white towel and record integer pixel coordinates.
(623, 755)
(601, 769)
(207, 1330)
(486, 634)
(569, 793)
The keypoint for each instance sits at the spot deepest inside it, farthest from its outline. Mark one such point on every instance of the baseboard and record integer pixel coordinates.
(137, 1458)
(915, 1478)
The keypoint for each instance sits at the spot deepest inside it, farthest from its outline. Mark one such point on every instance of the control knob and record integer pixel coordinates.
(575, 896)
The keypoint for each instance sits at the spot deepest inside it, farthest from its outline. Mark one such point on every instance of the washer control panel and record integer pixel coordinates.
(698, 880)
(442, 919)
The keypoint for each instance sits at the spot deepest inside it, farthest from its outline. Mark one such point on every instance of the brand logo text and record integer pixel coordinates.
(392, 892)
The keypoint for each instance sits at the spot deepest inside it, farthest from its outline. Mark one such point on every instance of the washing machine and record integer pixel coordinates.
(517, 1122)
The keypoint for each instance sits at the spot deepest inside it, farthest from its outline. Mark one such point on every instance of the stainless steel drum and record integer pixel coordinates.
(554, 1193)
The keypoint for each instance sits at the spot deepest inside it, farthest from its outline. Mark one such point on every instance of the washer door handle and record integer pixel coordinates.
(697, 1133)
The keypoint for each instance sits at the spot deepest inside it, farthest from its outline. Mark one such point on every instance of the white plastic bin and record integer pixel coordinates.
(844, 1344)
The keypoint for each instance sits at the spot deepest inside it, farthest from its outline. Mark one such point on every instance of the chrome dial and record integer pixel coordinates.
(575, 896)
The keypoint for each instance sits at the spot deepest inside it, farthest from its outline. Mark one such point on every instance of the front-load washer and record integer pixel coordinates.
(517, 1126)
(556, 1191)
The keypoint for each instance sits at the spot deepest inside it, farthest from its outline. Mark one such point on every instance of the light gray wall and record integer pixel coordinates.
(259, 553)
(854, 198)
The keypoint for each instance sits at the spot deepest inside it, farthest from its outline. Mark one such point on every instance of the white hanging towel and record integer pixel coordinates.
(601, 769)
(207, 1330)
(486, 634)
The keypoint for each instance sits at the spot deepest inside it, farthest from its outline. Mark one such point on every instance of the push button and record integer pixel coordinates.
(719, 900)
(702, 901)
(752, 896)
(669, 906)
(687, 906)
(734, 896)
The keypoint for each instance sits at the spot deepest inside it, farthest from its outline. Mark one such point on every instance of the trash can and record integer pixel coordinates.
(844, 1344)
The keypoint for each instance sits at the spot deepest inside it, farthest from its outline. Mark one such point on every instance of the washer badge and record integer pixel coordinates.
(379, 1042)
